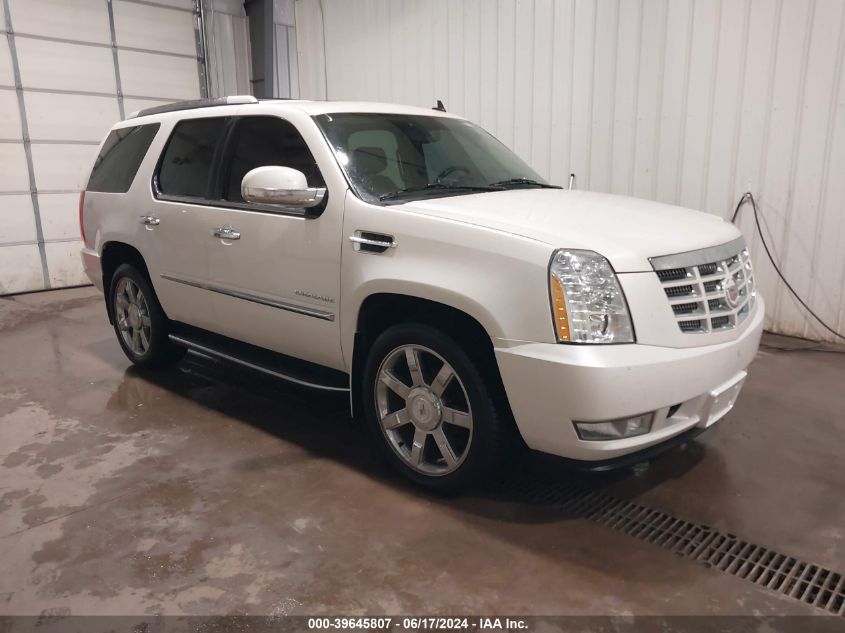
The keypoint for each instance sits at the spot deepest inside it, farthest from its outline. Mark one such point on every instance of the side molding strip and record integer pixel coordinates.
(246, 296)
(207, 351)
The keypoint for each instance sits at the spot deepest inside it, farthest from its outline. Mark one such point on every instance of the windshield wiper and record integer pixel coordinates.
(523, 181)
(436, 185)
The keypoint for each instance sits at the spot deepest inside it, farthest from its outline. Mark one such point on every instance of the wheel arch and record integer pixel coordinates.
(113, 254)
(382, 310)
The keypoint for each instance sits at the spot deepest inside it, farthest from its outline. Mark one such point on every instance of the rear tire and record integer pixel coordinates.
(140, 324)
(430, 410)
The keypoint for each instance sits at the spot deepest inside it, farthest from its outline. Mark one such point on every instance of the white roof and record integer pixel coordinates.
(309, 108)
(329, 107)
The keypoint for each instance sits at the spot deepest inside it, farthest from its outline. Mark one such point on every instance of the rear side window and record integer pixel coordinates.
(185, 169)
(268, 140)
(120, 157)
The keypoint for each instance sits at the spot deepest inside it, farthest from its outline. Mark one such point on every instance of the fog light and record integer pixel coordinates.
(615, 429)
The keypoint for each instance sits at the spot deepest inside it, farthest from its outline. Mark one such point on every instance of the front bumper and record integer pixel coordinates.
(550, 385)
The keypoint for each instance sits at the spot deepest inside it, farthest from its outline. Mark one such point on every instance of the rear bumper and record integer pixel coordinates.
(92, 266)
(549, 386)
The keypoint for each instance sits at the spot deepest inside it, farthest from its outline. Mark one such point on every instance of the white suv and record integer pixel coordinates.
(407, 257)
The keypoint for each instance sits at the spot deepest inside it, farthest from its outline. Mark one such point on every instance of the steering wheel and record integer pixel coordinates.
(452, 170)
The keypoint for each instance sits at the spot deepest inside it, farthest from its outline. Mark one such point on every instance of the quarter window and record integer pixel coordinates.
(120, 157)
(185, 169)
(267, 140)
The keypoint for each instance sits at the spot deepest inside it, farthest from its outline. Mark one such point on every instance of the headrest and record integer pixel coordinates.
(370, 160)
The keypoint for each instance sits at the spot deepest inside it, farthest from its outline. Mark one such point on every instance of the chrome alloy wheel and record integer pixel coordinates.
(423, 410)
(133, 316)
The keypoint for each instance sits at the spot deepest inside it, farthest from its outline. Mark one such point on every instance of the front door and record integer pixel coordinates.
(277, 271)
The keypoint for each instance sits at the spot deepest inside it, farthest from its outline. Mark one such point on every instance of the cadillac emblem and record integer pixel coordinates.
(731, 292)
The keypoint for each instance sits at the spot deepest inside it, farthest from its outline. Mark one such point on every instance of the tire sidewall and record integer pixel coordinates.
(159, 343)
(486, 430)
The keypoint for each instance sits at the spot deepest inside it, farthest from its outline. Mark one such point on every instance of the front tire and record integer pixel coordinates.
(141, 326)
(430, 410)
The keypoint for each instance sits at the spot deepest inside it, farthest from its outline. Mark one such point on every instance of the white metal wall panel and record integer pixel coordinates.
(156, 28)
(62, 167)
(10, 118)
(151, 75)
(69, 117)
(176, 4)
(50, 65)
(6, 75)
(13, 176)
(56, 222)
(690, 102)
(21, 266)
(63, 262)
(229, 50)
(18, 220)
(81, 20)
(72, 87)
(310, 50)
(131, 104)
(285, 80)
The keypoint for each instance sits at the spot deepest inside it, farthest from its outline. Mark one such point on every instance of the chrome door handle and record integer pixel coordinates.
(149, 220)
(355, 239)
(225, 233)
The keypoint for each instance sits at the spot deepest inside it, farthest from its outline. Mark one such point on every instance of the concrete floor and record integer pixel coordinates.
(207, 490)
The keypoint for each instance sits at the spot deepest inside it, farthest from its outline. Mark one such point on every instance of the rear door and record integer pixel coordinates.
(278, 283)
(179, 222)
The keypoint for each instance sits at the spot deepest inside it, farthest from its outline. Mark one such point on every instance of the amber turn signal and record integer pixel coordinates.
(561, 319)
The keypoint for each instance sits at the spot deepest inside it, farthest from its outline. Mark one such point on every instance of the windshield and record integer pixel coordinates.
(396, 157)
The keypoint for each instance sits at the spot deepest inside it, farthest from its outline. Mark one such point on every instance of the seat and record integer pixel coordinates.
(370, 163)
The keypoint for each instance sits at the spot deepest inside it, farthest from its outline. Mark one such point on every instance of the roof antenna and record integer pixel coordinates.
(439, 106)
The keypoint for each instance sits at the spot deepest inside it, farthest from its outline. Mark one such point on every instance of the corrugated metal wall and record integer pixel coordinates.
(689, 102)
(228, 48)
(68, 71)
(286, 77)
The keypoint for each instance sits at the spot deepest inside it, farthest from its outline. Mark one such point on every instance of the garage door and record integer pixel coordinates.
(68, 70)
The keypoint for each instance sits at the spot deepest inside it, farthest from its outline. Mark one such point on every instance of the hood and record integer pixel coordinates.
(627, 231)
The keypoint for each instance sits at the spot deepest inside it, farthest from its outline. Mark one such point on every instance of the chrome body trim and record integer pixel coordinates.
(698, 257)
(226, 233)
(247, 296)
(208, 351)
(357, 239)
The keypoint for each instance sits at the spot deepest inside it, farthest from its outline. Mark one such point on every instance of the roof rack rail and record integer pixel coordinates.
(194, 104)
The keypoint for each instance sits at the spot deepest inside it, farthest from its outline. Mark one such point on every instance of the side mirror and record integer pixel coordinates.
(280, 185)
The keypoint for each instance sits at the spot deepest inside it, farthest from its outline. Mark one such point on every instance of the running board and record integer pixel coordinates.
(287, 368)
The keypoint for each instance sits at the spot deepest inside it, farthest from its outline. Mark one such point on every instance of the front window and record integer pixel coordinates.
(397, 157)
(267, 140)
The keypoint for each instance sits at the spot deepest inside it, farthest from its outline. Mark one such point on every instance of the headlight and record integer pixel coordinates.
(588, 305)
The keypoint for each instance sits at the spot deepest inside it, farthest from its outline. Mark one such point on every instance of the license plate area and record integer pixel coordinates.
(721, 400)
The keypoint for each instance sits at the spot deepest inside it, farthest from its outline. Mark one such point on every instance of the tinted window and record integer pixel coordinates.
(261, 141)
(186, 165)
(120, 157)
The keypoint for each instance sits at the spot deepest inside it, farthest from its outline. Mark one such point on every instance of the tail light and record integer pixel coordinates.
(81, 219)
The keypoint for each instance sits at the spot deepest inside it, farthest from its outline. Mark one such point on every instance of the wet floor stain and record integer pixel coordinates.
(206, 490)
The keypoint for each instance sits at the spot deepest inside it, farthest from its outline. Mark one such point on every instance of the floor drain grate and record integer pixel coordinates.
(811, 584)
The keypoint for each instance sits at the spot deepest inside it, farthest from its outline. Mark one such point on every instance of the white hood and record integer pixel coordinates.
(625, 230)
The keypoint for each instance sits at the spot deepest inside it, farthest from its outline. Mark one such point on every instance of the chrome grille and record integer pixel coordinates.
(708, 290)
